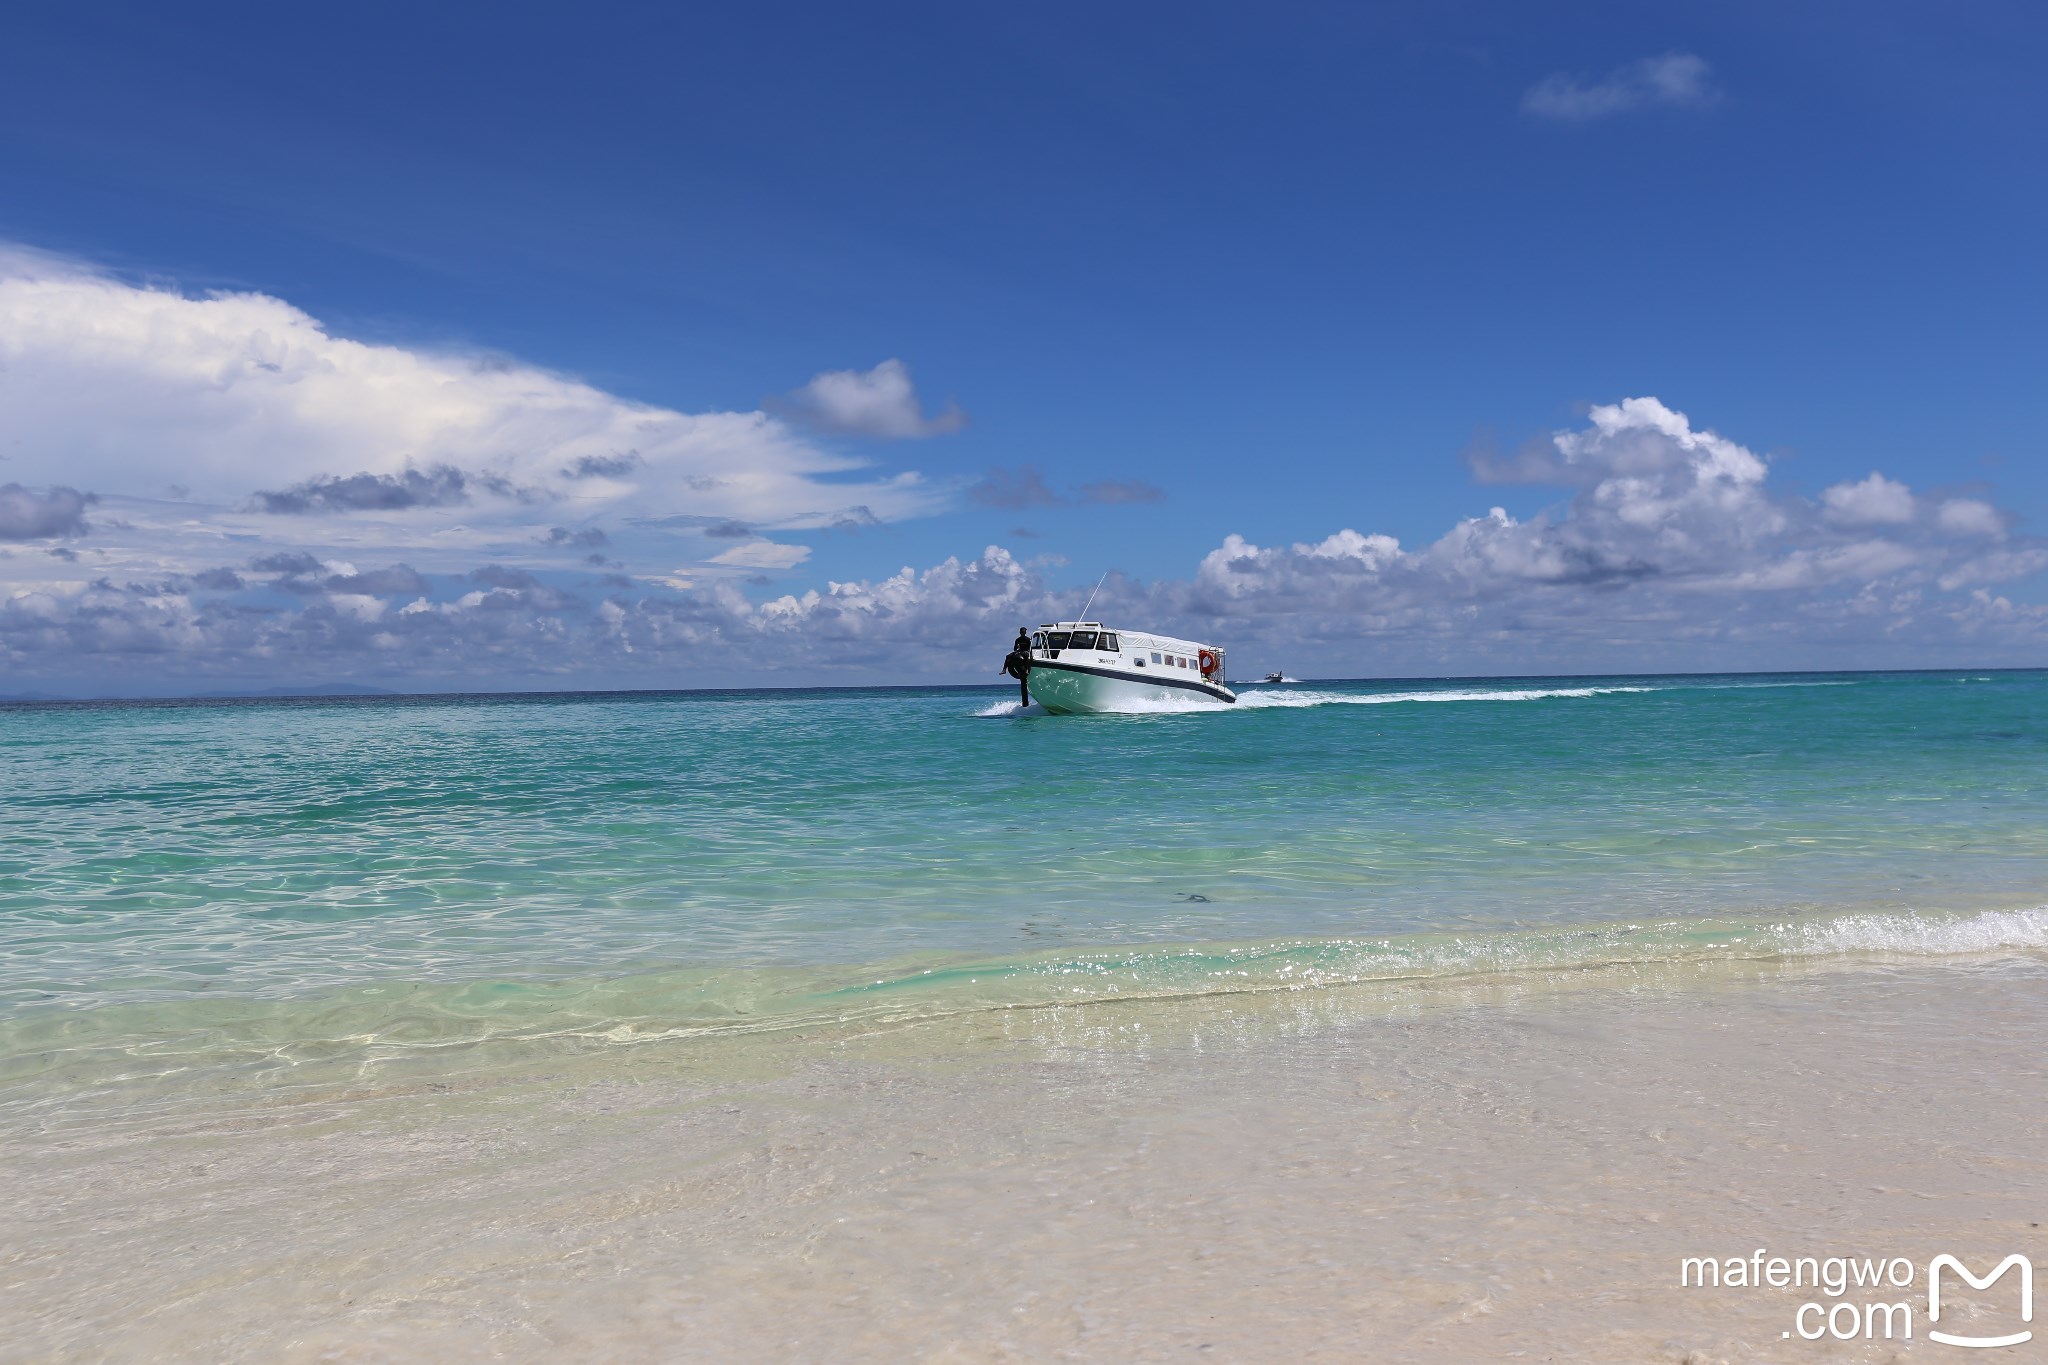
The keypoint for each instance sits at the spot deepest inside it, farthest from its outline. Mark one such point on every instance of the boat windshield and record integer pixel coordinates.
(1056, 639)
(1107, 642)
(1083, 639)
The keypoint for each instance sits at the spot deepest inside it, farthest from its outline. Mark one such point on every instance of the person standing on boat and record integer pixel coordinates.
(1017, 663)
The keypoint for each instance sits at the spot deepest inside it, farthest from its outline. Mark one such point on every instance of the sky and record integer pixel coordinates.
(480, 347)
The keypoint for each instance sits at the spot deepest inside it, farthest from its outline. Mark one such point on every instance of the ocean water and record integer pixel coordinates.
(223, 893)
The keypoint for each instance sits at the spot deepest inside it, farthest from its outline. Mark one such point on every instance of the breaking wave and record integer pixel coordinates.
(356, 1027)
(1301, 963)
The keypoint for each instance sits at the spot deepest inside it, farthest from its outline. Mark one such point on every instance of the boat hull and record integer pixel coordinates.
(1075, 690)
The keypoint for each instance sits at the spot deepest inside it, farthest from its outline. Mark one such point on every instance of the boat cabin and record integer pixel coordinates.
(1127, 650)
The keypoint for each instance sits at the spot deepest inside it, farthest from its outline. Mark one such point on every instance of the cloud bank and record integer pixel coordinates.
(1669, 551)
(218, 492)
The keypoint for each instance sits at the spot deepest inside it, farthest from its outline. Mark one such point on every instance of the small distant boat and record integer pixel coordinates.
(1080, 667)
(1274, 677)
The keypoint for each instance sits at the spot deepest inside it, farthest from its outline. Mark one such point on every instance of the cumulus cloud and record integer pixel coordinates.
(28, 515)
(1872, 501)
(881, 402)
(1670, 541)
(1970, 517)
(1654, 497)
(1677, 80)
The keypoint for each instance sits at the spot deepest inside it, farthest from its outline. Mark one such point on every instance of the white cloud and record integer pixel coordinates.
(1675, 80)
(1872, 501)
(1970, 517)
(763, 554)
(1371, 551)
(881, 402)
(1671, 542)
(203, 420)
(2002, 564)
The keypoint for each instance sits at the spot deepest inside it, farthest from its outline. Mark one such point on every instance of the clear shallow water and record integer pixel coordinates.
(254, 880)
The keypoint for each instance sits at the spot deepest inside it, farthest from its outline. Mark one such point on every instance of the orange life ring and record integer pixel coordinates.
(1208, 662)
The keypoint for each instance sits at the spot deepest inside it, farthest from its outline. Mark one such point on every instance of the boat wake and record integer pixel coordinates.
(1255, 698)
(1296, 700)
(1265, 700)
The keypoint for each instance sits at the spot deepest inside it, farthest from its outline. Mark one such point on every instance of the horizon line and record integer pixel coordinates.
(366, 693)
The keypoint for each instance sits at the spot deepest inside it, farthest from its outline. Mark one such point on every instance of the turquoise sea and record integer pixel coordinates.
(220, 891)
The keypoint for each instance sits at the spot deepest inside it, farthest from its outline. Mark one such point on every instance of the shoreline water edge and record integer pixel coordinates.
(1428, 1022)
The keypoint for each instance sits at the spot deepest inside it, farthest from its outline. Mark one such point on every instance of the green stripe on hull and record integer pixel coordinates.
(1068, 692)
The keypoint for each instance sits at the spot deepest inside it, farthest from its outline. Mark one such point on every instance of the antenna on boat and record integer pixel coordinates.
(1091, 597)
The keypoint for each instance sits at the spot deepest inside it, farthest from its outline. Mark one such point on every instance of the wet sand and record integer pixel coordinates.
(1508, 1168)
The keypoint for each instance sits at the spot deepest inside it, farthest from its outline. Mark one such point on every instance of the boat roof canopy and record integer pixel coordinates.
(1165, 641)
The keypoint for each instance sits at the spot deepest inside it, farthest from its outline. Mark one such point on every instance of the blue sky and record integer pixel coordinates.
(1206, 272)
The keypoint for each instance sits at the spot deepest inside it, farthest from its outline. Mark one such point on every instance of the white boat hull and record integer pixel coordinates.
(1070, 690)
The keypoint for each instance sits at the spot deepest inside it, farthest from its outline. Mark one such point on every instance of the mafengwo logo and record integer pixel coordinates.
(2013, 1262)
(1854, 1317)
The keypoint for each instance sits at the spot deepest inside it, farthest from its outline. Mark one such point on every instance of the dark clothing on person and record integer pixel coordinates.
(1017, 663)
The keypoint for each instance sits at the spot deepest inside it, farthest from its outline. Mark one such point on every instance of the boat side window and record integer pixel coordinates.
(1107, 643)
(1083, 639)
(1157, 658)
(1038, 640)
(1056, 640)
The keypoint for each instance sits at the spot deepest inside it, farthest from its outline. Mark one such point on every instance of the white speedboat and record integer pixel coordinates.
(1083, 666)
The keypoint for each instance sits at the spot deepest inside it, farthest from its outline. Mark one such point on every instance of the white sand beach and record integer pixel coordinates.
(1456, 1170)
